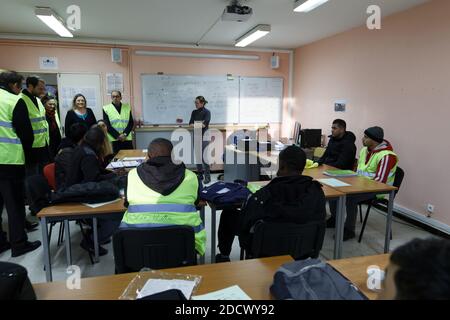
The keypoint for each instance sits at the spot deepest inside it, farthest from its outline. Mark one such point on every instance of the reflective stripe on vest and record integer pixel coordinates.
(148, 208)
(11, 151)
(118, 121)
(38, 122)
(124, 225)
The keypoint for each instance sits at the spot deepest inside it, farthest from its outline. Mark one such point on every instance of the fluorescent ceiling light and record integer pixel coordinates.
(52, 20)
(257, 32)
(307, 5)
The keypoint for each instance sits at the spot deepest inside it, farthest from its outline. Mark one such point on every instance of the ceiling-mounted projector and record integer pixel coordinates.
(236, 12)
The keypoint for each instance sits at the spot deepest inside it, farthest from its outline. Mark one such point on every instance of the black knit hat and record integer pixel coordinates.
(375, 133)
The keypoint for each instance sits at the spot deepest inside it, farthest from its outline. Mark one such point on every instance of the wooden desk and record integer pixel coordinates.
(360, 185)
(72, 211)
(355, 269)
(140, 153)
(253, 276)
(131, 153)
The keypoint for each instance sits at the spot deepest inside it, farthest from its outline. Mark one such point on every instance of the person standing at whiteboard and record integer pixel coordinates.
(203, 115)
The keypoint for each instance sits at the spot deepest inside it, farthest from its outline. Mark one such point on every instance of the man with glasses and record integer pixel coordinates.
(119, 121)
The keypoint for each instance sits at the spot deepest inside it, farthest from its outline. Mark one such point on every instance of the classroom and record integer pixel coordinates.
(231, 137)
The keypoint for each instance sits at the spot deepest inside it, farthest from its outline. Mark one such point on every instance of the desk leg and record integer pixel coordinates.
(339, 229)
(387, 238)
(202, 216)
(213, 234)
(46, 245)
(68, 244)
(95, 231)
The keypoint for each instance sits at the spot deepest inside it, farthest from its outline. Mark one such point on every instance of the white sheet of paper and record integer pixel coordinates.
(133, 158)
(333, 182)
(222, 191)
(230, 293)
(145, 150)
(153, 286)
(123, 164)
(96, 205)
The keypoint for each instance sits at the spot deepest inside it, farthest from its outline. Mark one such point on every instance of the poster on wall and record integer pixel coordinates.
(114, 81)
(48, 63)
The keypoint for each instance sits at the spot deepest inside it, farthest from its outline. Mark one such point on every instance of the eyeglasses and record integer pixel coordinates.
(115, 97)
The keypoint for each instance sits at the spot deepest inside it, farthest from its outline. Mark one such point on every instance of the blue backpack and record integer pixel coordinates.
(225, 193)
(312, 279)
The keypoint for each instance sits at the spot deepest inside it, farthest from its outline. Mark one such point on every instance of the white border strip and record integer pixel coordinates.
(423, 219)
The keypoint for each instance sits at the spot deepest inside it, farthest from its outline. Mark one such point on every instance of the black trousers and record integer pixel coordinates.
(204, 167)
(11, 195)
(122, 145)
(351, 208)
(228, 229)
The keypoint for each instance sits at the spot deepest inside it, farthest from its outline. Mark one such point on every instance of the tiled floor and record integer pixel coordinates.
(372, 243)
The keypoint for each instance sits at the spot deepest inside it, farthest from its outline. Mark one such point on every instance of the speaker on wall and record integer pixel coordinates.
(116, 55)
(275, 62)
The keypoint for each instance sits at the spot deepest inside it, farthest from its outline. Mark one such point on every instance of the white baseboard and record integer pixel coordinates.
(423, 219)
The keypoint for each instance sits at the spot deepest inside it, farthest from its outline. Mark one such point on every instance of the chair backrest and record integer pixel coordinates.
(399, 175)
(49, 174)
(155, 248)
(318, 152)
(299, 240)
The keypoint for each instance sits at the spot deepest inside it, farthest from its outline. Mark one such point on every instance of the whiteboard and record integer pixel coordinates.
(261, 100)
(89, 85)
(166, 98)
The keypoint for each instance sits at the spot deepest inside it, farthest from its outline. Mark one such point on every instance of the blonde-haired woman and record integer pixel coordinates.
(80, 113)
(106, 153)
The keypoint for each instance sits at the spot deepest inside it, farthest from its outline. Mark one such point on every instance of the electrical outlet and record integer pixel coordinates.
(430, 208)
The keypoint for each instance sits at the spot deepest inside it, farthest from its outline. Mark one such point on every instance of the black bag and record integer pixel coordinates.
(172, 294)
(89, 192)
(14, 283)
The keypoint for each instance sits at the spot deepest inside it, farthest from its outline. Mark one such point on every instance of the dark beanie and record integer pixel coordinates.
(375, 133)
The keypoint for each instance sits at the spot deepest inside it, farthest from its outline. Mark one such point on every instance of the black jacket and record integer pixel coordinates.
(296, 199)
(63, 162)
(340, 153)
(72, 118)
(36, 155)
(85, 167)
(161, 175)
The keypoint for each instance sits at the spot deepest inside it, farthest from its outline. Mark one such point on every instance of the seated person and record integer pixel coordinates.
(160, 183)
(341, 149)
(291, 196)
(377, 161)
(85, 167)
(418, 270)
(67, 148)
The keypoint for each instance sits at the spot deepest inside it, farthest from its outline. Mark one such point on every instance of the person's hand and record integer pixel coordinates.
(121, 172)
(122, 138)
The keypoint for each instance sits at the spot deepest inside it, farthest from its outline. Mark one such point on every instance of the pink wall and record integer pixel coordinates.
(89, 58)
(24, 57)
(397, 78)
